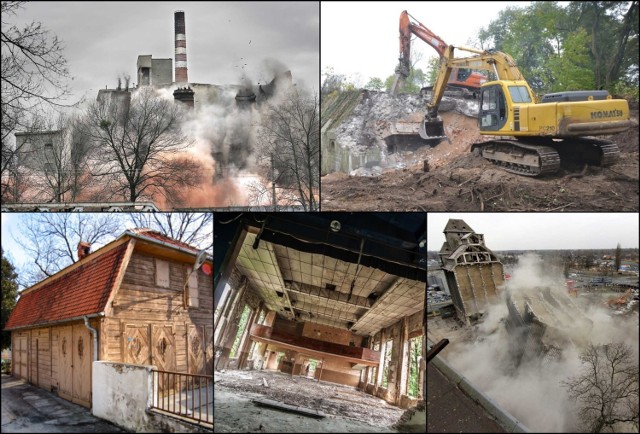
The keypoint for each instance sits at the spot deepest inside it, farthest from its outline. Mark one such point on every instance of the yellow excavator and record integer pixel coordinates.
(537, 134)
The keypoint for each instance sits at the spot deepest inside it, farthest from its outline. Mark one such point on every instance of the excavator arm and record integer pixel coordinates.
(408, 28)
(501, 64)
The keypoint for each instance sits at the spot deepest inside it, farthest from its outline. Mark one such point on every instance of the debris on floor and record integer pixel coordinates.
(292, 408)
(330, 398)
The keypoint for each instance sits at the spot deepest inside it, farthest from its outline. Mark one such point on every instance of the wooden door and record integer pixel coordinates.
(22, 357)
(65, 362)
(81, 366)
(163, 349)
(195, 344)
(136, 344)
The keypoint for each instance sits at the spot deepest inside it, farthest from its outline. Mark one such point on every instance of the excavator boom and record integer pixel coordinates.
(472, 81)
(536, 135)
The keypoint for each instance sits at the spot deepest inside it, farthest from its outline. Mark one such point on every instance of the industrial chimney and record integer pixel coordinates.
(181, 48)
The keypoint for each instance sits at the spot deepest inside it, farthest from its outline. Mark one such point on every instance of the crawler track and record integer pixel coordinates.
(522, 159)
(545, 156)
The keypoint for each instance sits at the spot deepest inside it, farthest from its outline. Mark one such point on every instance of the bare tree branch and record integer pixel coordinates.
(192, 228)
(51, 240)
(141, 145)
(34, 77)
(607, 387)
(289, 137)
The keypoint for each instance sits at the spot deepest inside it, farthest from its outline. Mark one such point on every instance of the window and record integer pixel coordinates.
(193, 288)
(373, 378)
(373, 371)
(261, 317)
(415, 354)
(387, 361)
(241, 326)
(493, 113)
(519, 94)
(162, 273)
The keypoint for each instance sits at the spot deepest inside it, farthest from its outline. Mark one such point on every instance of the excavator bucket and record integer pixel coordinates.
(432, 130)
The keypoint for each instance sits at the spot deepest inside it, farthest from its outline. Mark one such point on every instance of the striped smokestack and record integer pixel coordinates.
(181, 48)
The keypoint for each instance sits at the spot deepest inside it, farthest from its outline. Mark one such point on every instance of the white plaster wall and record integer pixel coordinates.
(122, 393)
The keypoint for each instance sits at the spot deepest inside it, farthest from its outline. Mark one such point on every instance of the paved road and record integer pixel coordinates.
(30, 409)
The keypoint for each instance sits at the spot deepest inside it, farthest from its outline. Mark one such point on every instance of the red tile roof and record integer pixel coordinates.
(160, 237)
(82, 291)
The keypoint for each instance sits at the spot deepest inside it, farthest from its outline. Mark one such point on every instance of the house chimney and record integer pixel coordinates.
(83, 249)
(181, 48)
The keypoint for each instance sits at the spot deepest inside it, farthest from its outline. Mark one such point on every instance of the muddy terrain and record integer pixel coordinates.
(457, 180)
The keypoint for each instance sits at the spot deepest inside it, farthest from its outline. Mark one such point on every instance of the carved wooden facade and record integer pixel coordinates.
(138, 292)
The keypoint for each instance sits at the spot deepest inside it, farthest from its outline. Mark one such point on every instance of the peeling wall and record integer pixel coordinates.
(122, 393)
(116, 399)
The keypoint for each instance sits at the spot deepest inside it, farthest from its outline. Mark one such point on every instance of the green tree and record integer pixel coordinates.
(331, 82)
(613, 37)
(433, 66)
(374, 83)
(618, 258)
(241, 326)
(9, 295)
(416, 80)
(571, 69)
(414, 370)
(599, 49)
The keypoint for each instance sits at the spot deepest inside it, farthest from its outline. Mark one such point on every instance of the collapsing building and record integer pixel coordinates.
(543, 322)
(472, 271)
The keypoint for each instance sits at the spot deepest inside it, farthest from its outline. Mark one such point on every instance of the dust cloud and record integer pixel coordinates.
(532, 392)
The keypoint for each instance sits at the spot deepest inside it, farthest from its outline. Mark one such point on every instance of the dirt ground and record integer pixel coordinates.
(347, 409)
(460, 181)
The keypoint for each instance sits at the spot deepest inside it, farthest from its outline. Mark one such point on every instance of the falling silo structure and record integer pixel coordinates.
(472, 271)
(181, 48)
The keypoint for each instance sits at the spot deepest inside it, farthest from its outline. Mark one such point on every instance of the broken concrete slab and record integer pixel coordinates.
(292, 408)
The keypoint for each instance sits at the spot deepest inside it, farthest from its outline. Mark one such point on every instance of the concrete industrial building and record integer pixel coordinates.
(342, 294)
(154, 72)
(37, 149)
(543, 322)
(473, 273)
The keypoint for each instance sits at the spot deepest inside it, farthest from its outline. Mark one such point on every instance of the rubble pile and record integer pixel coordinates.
(374, 118)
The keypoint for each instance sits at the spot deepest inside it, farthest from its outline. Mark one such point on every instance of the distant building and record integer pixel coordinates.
(36, 150)
(473, 273)
(154, 72)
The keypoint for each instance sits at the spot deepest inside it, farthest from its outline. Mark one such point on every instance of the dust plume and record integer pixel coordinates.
(532, 392)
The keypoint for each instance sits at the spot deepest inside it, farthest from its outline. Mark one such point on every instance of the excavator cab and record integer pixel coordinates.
(493, 108)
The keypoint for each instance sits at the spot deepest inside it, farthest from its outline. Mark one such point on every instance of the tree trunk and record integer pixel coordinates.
(614, 66)
(594, 48)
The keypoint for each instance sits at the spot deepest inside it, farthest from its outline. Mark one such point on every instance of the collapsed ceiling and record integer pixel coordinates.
(325, 285)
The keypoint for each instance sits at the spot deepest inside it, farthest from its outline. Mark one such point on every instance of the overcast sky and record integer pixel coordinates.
(104, 39)
(362, 38)
(533, 231)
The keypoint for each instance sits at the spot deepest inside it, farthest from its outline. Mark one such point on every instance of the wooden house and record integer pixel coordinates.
(136, 300)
